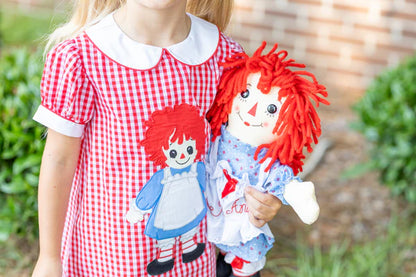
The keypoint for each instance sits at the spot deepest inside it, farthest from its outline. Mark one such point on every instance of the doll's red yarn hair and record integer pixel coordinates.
(298, 124)
(173, 124)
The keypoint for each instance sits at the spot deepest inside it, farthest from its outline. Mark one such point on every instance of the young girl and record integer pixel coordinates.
(262, 118)
(115, 65)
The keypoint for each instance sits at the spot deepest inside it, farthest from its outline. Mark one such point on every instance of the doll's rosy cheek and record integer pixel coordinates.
(237, 108)
(266, 124)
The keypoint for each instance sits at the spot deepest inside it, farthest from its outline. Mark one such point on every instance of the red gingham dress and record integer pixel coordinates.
(87, 93)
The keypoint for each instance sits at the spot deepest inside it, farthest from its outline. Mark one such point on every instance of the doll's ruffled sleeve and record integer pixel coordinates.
(279, 177)
(67, 96)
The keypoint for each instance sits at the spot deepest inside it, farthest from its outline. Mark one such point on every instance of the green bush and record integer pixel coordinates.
(21, 142)
(387, 118)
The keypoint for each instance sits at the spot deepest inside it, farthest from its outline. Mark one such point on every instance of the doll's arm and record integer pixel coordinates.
(146, 199)
(301, 196)
(134, 214)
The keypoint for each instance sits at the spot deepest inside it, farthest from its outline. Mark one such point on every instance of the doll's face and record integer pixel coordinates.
(180, 155)
(254, 114)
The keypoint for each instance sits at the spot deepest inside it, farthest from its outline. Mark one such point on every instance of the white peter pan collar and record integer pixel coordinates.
(197, 48)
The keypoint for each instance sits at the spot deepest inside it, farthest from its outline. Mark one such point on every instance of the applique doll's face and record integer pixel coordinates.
(254, 114)
(180, 155)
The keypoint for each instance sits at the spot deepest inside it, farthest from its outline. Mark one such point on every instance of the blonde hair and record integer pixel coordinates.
(217, 12)
(87, 12)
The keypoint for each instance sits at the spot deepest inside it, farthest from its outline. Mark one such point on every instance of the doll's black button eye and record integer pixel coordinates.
(272, 108)
(173, 153)
(245, 94)
(190, 150)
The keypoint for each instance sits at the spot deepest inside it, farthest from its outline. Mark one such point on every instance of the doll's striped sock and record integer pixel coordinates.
(189, 245)
(165, 254)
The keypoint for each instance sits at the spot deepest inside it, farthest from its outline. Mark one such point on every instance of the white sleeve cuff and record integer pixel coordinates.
(58, 123)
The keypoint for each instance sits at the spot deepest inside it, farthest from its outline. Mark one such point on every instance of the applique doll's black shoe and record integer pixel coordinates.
(157, 268)
(192, 256)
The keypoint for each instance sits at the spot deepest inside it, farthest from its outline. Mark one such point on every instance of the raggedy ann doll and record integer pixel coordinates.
(262, 118)
(175, 139)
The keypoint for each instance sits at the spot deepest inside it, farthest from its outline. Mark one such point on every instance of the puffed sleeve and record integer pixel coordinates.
(150, 193)
(67, 96)
(228, 47)
(279, 177)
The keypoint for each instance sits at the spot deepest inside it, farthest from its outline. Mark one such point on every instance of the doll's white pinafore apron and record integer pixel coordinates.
(228, 220)
(179, 191)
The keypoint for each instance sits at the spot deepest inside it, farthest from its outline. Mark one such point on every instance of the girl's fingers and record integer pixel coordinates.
(255, 221)
(262, 206)
(265, 198)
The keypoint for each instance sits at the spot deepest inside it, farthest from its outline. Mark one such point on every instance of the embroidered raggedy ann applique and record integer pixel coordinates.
(175, 139)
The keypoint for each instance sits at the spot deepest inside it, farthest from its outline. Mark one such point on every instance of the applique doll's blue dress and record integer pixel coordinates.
(176, 199)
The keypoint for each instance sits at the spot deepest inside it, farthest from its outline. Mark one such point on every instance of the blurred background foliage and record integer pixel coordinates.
(21, 142)
(386, 117)
(27, 28)
(22, 34)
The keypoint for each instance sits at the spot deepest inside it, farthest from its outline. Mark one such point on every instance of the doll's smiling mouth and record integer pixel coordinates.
(248, 124)
(184, 162)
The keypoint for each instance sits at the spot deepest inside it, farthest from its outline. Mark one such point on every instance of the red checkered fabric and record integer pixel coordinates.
(84, 87)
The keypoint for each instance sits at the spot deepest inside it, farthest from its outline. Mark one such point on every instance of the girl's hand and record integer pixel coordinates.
(262, 206)
(48, 267)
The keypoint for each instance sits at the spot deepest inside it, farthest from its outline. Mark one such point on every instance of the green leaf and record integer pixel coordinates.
(357, 170)
(25, 163)
(17, 186)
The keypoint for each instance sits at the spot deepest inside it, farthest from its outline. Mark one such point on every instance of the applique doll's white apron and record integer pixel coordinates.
(178, 195)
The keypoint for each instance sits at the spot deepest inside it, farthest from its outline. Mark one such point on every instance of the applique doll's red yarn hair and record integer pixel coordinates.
(298, 124)
(183, 121)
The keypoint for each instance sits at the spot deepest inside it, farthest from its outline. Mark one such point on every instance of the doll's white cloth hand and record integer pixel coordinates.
(134, 214)
(301, 196)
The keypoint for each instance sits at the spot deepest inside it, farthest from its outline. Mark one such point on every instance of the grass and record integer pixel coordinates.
(26, 27)
(392, 254)
(17, 257)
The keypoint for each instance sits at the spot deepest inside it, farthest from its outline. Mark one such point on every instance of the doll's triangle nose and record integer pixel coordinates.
(182, 156)
(253, 110)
